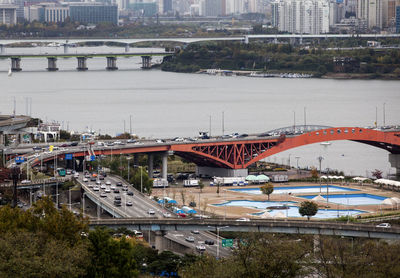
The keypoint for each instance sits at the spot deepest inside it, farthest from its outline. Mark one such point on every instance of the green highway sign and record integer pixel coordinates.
(227, 242)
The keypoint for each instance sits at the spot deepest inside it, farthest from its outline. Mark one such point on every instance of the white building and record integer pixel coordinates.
(8, 14)
(371, 12)
(301, 16)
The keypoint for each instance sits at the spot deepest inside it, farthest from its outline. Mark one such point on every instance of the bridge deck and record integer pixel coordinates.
(268, 226)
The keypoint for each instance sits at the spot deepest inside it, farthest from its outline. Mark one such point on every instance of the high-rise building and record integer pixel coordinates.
(371, 12)
(93, 13)
(8, 14)
(213, 8)
(167, 6)
(301, 16)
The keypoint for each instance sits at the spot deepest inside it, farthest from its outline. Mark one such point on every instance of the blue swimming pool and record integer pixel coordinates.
(297, 189)
(293, 211)
(352, 199)
(321, 214)
(253, 204)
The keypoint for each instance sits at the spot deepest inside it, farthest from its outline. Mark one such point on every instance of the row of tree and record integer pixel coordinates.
(281, 57)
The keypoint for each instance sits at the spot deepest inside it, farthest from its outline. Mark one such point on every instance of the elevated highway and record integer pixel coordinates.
(240, 152)
(141, 205)
(263, 226)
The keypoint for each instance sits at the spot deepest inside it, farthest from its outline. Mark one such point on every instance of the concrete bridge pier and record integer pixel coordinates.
(2, 139)
(66, 48)
(220, 172)
(276, 40)
(159, 240)
(82, 63)
(52, 64)
(394, 160)
(164, 172)
(2, 49)
(301, 40)
(15, 64)
(150, 161)
(111, 63)
(146, 62)
(246, 39)
(127, 48)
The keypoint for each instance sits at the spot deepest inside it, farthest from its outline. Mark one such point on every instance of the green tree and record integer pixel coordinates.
(308, 208)
(110, 257)
(201, 186)
(267, 189)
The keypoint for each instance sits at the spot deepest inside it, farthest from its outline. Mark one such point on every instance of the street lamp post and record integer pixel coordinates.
(320, 158)
(141, 180)
(219, 228)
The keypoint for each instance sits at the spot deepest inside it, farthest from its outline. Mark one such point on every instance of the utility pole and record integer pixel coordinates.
(209, 133)
(223, 124)
(294, 121)
(384, 114)
(305, 118)
(130, 124)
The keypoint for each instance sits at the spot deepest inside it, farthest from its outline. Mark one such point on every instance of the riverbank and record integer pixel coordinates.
(365, 76)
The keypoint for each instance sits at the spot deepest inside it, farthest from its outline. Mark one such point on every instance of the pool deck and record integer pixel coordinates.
(209, 197)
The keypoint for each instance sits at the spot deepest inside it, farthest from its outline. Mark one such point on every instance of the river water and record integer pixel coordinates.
(164, 104)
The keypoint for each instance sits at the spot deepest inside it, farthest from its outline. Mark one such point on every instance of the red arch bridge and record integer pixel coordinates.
(236, 154)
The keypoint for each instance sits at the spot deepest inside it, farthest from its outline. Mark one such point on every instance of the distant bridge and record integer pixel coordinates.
(81, 58)
(264, 226)
(244, 38)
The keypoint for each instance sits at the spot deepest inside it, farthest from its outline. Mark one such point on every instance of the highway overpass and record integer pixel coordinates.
(264, 226)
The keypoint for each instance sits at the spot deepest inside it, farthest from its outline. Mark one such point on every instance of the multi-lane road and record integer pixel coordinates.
(141, 206)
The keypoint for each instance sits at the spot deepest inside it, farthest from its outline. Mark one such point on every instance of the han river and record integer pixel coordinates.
(165, 105)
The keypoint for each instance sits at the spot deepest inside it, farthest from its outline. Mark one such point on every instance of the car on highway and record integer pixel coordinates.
(74, 144)
(101, 177)
(117, 142)
(117, 203)
(116, 191)
(85, 179)
(96, 188)
(131, 141)
(209, 242)
(37, 148)
(125, 188)
(107, 190)
(139, 143)
(117, 198)
(167, 214)
(93, 179)
(384, 225)
(196, 232)
(200, 248)
(151, 212)
(76, 175)
(103, 194)
(181, 215)
(160, 141)
(243, 219)
(112, 187)
(178, 139)
(129, 203)
(103, 186)
(26, 181)
(189, 239)
(129, 193)
(118, 183)
(108, 182)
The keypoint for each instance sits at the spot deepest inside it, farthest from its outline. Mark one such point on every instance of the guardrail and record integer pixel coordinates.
(37, 182)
